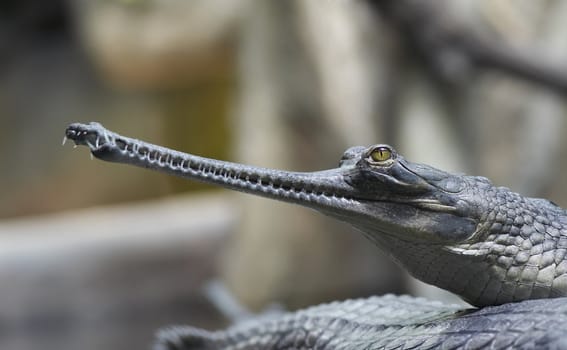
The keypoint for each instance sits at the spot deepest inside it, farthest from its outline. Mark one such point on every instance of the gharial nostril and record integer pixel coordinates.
(70, 133)
(75, 131)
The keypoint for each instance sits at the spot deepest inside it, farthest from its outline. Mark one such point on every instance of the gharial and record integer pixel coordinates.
(494, 248)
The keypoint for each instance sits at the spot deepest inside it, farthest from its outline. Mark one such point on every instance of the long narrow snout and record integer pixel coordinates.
(322, 190)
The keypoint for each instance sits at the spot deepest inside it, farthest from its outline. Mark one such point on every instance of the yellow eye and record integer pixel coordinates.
(381, 154)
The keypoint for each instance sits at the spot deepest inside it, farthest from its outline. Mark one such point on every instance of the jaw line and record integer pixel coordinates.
(321, 190)
(326, 191)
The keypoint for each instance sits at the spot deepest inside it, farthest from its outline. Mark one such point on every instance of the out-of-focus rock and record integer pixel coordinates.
(108, 277)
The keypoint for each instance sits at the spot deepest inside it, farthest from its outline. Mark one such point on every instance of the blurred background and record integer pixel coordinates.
(98, 256)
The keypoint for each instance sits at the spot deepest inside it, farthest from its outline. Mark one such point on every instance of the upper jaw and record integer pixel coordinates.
(333, 191)
(384, 188)
(92, 135)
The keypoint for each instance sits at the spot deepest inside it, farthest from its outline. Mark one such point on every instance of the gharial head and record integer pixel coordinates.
(374, 187)
(432, 222)
(408, 201)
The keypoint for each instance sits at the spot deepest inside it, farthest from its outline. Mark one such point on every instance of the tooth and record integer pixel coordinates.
(108, 138)
(64, 140)
(92, 158)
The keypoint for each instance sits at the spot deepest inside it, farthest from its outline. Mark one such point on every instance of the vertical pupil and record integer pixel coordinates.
(381, 154)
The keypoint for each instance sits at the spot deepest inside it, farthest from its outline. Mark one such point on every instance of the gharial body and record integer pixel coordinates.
(487, 244)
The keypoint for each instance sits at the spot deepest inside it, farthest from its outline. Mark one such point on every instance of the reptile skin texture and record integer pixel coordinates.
(389, 322)
(519, 254)
(487, 244)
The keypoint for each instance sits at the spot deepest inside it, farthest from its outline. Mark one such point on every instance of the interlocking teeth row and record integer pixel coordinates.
(137, 149)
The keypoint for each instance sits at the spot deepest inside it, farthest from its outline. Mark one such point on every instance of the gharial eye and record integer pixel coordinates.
(381, 154)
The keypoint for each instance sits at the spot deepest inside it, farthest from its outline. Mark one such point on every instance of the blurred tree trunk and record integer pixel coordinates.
(305, 97)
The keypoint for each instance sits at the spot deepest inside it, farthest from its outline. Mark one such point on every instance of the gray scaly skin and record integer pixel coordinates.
(484, 243)
(389, 322)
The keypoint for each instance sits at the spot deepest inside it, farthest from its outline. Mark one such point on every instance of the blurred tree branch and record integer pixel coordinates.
(453, 50)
